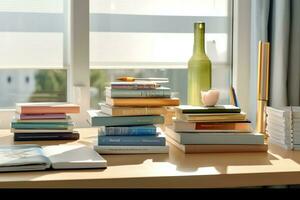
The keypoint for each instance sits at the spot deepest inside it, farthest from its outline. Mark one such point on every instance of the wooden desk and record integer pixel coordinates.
(176, 169)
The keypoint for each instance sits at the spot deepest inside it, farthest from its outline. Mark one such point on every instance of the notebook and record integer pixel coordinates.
(31, 157)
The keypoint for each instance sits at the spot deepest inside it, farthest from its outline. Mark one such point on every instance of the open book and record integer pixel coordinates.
(30, 157)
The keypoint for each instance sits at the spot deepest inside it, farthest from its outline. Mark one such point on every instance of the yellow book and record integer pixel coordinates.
(131, 111)
(142, 102)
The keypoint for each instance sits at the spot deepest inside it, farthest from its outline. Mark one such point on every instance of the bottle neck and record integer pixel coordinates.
(199, 39)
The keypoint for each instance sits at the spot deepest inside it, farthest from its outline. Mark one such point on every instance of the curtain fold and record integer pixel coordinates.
(277, 21)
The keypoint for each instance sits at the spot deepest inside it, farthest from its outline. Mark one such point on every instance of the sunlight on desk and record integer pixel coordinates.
(173, 170)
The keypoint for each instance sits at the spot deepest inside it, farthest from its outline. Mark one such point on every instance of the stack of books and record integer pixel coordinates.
(283, 126)
(129, 117)
(222, 128)
(44, 121)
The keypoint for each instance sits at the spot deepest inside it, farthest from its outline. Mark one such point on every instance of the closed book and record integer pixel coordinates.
(135, 85)
(216, 117)
(49, 131)
(65, 121)
(40, 125)
(131, 149)
(142, 102)
(162, 92)
(131, 111)
(183, 126)
(208, 109)
(128, 130)
(47, 108)
(97, 118)
(54, 116)
(218, 148)
(45, 136)
(159, 140)
(215, 138)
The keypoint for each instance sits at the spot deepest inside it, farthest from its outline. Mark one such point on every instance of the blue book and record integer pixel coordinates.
(97, 118)
(159, 140)
(128, 130)
(161, 92)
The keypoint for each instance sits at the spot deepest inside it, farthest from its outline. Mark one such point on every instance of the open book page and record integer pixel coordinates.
(23, 158)
(73, 157)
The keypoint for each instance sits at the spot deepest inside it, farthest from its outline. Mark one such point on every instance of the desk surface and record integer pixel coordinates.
(176, 169)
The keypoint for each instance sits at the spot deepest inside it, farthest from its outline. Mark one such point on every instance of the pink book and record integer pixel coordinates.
(42, 116)
(47, 108)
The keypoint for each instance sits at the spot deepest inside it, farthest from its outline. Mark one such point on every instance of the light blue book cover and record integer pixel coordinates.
(128, 130)
(161, 92)
(216, 138)
(132, 140)
(97, 118)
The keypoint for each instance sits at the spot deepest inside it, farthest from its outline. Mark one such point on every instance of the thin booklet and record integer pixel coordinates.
(32, 157)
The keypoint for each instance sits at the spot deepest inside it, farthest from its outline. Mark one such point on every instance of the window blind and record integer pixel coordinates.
(149, 33)
(31, 33)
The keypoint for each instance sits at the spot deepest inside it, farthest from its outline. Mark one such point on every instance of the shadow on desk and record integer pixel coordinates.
(193, 162)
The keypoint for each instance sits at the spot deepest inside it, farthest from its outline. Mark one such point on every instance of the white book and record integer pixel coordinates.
(285, 146)
(73, 157)
(132, 149)
(32, 157)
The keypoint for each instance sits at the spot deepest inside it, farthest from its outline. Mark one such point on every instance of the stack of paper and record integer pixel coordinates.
(283, 126)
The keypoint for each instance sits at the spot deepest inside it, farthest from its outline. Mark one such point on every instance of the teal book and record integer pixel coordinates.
(215, 138)
(208, 109)
(97, 118)
(161, 92)
(39, 125)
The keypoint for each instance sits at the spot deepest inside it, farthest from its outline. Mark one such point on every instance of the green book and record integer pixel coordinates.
(39, 125)
(184, 109)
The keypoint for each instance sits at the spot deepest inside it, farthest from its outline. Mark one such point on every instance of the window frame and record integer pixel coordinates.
(76, 57)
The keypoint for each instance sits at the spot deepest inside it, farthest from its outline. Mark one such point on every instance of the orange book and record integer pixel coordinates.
(142, 102)
(47, 108)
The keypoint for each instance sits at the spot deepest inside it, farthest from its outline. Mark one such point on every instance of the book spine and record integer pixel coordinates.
(130, 131)
(131, 141)
(121, 102)
(40, 126)
(127, 121)
(41, 137)
(47, 110)
(114, 93)
(134, 87)
(138, 111)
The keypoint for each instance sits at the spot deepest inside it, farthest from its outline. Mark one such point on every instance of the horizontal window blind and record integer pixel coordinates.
(31, 33)
(149, 34)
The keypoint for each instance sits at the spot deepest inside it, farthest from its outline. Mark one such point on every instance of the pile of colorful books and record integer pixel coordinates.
(129, 118)
(222, 128)
(283, 126)
(44, 121)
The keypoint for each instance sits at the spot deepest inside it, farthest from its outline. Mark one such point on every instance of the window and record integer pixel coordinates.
(155, 38)
(48, 53)
(31, 51)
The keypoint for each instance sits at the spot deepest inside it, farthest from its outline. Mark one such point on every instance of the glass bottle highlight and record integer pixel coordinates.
(199, 67)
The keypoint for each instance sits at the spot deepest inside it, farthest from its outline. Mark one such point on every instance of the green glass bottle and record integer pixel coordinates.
(199, 67)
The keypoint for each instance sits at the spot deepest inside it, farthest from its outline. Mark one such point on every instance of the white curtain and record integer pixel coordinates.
(277, 21)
